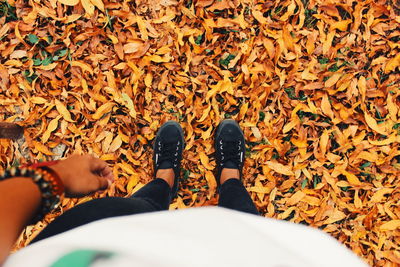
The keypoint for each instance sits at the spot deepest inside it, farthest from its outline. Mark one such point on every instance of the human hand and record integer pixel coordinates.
(83, 175)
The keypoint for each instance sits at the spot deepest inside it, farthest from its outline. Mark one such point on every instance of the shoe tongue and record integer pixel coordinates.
(231, 165)
(166, 165)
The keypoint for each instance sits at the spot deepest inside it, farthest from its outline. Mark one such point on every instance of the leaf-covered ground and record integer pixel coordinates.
(314, 84)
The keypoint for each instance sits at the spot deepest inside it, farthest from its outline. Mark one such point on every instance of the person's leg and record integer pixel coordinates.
(229, 155)
(233, 195)
(154, 196)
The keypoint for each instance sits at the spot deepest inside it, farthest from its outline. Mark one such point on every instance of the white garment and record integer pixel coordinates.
(208, 236)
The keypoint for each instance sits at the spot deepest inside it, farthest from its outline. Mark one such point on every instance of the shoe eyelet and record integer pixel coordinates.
(220, 141)
(221, 147)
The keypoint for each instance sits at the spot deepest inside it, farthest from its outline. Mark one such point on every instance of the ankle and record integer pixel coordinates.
(227, 174)
(167, 175)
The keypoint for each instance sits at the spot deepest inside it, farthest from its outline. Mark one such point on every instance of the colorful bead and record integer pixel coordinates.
(48, 185)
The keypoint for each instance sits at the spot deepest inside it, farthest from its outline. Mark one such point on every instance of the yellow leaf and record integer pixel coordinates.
(224, 85)
(373, 124)
(38, 100)
(129, 104)
(206, 134)
(53, 124)
(392, 63)
(13, 62)
(63, 111)
(98, 3)
(18, 54)
(142, 28)
(116, 144)
(42, 148)
(206, 113)
(113, 39)
(127, 168)
(357, 201)
(83, 66)
(212, 183)
(280, 168)
(391, 139)
(69, 2)
(103, 109)
(289, 126)
(71, 18)
(333, 80)
(391, 225)
(133, 181)
(259, 16)
(148, 79)
(88, 6)
(379, 195)
(369, 156)
(133, 46)
(392, 107)
(353, 180)
(295, 198)
(48, 67)
(326, 107)
(158, 59)
(341, 25)
(334, 216)
(205, 161)
(256, 132)
(323, 142)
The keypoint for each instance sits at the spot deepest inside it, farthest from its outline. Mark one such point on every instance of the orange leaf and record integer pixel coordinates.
(53, 124)
(326, 107)
(353, 180)
(63, 111)
(295, 198)
(83, 66)
(373, 124)
(391, 225)
(69, 2)
(103, 109)
(280, 168)
(392, 63)
(212, 183)
(333, 80)
(42, 148)
(205, 161)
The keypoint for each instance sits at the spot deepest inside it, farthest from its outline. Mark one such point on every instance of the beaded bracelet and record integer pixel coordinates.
(49, 183)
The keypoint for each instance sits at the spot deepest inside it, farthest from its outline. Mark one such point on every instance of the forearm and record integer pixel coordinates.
(19, 202)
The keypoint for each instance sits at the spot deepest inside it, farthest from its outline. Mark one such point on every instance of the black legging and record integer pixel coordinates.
(155, 196)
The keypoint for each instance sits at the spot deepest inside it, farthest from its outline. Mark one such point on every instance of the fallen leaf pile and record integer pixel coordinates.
(314, 84)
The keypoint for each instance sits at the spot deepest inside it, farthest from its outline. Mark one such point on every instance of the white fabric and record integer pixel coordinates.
(209, 236)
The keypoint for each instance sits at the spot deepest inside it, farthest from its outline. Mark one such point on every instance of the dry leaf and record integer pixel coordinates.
(390, 225)
(63, 111)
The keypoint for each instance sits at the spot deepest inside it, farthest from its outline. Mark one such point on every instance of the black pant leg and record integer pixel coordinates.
(154, 196)
(157, 192)
(233, 195)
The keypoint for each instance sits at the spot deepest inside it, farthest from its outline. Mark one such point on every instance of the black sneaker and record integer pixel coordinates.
(229, 147)
(168, 147)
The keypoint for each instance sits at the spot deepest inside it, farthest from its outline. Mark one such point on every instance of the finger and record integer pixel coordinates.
(99, 166)
(99, 183)
(108, 174)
